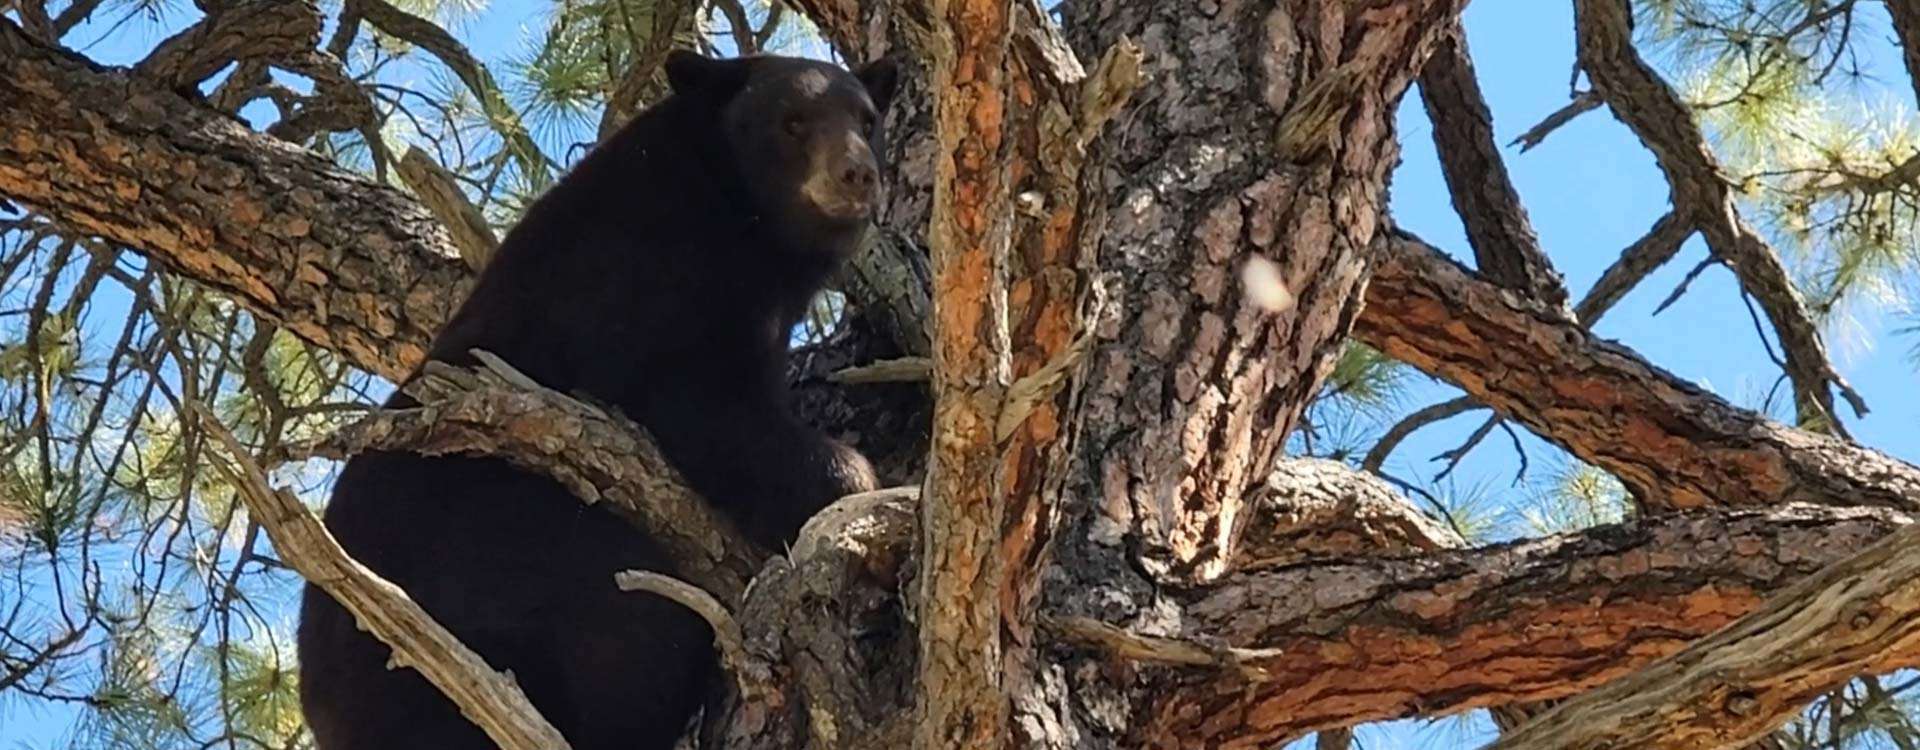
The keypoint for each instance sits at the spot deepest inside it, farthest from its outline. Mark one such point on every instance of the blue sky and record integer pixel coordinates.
(1591, 189)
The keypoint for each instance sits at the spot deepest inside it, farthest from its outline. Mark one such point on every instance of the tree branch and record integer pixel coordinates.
(489, 698)
(961, 698)
(642, 79)
(1860, 615)
(440, 193)
(1505, 248)
(1640, 98)
(1582, 103)
(352, 266)
(1313, 509)
(1671, 443)
(495, 411)
(270, 29)
(1335, 643)
(1640, 259)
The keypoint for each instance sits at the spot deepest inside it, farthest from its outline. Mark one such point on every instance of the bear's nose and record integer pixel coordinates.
(858, 173)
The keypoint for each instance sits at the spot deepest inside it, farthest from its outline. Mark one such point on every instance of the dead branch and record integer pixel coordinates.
(438, 190)
(489, 698)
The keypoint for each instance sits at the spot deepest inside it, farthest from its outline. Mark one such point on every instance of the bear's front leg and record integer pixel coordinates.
(749, 457)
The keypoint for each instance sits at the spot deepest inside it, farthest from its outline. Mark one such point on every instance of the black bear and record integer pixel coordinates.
(661, 276)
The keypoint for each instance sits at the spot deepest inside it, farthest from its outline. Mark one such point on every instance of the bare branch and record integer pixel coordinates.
(1859, 616)
(1640, 98)
(438, 190)
(902, 370)
(1671, 443)
(1505, 247)
(489, 698)
(1640, 259)
(749, 675)
(1582, 103)
(259, 29)
(1400, 431)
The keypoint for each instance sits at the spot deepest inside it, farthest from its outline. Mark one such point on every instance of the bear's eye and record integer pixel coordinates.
(794, 126)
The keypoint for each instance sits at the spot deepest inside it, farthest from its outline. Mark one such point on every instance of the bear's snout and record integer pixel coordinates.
(845, 178)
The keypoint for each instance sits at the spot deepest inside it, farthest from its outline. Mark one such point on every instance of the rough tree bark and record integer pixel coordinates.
(1673, 444)
(960, 700)
(352, 267)
(1860, 615)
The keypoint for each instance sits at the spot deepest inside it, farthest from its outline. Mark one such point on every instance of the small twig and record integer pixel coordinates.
(1397, 434)
(1455, 456)
(902, 370)
(1674, 296)
(1584, 102)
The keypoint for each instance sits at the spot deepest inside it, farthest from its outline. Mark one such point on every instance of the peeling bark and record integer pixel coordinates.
(962, 575)
(1337, 643)
(1859, 616)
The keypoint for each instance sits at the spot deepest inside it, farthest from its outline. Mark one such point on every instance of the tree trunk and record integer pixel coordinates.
(1262, 137)
(1114, 552)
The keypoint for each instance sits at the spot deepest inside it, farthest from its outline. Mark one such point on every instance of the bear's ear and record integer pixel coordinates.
(691, 72)
(879, 77)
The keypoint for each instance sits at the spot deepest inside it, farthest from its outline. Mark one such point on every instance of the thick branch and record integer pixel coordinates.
(344, 263)
(1313, 509)
(595, 454)
(1504, 244)
(1673, 444)
(1304, 647)
(1859, 616)
(1640, 98)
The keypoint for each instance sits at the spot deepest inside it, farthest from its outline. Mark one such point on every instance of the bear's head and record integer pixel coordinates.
(806, 136)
